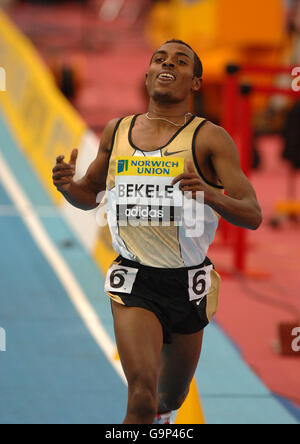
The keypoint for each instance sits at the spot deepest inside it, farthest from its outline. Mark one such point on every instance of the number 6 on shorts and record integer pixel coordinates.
(120, 279)
(199, 282)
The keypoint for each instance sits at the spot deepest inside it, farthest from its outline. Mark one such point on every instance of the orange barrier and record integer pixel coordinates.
(237, 120)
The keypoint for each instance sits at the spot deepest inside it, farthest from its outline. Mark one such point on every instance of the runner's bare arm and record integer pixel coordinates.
(239, 206)
(83, 193)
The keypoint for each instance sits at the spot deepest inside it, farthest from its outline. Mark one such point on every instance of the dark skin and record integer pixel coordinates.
(156, 383)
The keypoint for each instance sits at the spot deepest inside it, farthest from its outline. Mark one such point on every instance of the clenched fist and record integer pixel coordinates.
(63, 172)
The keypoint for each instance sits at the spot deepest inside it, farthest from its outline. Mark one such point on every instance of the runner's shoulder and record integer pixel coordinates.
(108, 133)
(111, 126)
(212, 130)
(214, 137)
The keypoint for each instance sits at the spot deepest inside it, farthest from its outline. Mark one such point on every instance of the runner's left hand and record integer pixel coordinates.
(192, 182)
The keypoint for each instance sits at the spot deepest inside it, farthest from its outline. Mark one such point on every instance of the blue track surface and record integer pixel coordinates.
(53, 371)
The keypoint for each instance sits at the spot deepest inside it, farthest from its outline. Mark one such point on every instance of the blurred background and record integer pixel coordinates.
(70, 67)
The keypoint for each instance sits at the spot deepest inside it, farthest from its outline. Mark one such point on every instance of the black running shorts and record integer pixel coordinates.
(183, 299)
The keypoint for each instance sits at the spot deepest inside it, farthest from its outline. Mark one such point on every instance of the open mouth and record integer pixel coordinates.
(166, 77)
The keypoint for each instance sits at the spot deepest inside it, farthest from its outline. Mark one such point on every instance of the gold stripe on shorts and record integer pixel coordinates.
(213, 295)
(115, 298)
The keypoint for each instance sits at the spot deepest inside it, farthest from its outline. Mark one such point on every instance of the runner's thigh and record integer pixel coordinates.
(139, 339)
(178, 364)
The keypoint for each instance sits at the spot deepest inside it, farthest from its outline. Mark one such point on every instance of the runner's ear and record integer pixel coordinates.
(197, 84)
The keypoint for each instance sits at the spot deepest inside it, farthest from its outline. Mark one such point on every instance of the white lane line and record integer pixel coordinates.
(59, 265)
(44, 211)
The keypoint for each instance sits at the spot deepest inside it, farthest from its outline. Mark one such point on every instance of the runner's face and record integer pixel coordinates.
(170, 78)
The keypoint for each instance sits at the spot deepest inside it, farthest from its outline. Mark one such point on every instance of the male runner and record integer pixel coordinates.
(163, 288)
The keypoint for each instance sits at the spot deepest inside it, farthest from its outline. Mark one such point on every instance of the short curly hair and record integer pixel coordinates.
(198, 71)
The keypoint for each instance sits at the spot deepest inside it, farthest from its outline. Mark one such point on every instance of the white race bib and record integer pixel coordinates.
(199, 282)
(120, 279)
(144, 192)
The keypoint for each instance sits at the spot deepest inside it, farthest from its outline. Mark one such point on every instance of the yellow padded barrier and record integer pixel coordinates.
(42, 120)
